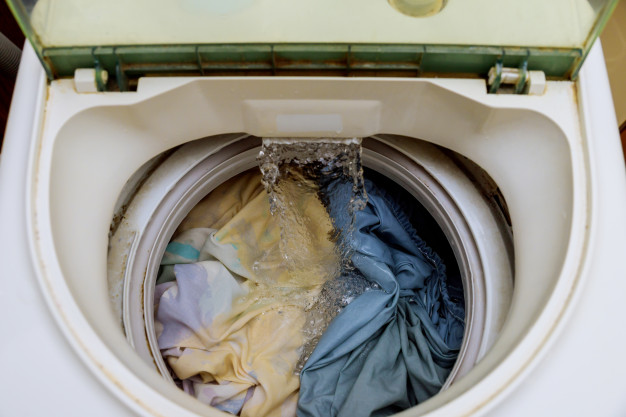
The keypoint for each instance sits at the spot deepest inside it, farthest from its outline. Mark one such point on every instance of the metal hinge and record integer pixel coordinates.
(503, 79)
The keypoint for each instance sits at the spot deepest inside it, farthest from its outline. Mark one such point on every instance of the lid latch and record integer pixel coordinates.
(503, 79)
(90, 80)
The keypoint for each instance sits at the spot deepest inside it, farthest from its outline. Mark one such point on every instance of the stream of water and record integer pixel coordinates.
(296, 171)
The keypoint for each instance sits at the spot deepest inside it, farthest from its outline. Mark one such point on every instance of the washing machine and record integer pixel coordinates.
(125, 114)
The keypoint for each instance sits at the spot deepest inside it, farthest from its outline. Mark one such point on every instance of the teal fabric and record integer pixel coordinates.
(183, 250)
(393, 346)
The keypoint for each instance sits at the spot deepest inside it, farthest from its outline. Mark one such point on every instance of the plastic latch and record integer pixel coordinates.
(90, 80)
(536, 83)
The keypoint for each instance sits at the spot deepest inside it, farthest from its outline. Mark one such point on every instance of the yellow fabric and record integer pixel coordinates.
(260, 350)
(257, 342)
(250, 243)
(221, 204)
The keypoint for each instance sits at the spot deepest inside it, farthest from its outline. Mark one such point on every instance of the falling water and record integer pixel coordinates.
(298, 170)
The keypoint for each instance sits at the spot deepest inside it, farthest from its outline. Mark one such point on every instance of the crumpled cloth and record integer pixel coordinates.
(393, 346)
(231, 330)
(229, 319)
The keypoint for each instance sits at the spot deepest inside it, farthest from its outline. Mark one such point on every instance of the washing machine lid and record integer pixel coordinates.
(296, 37)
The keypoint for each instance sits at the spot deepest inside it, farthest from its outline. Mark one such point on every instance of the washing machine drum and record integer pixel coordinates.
(206, 297)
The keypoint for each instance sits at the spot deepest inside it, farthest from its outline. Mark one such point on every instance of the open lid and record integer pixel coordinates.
(347, 37)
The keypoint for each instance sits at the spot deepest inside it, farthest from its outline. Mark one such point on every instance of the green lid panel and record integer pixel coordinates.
(302, 59)
(350, 37)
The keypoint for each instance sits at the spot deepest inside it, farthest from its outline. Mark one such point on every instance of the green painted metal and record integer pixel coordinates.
(521, 84)
(131, 62)
(493, 88)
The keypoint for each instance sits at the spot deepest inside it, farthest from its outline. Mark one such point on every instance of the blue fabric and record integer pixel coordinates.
(183, 250)
(393, 346)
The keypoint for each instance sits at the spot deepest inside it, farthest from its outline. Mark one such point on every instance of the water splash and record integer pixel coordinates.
(319, 158)
(305, 255)
(314, 161)
(334, 296)
(292, 170)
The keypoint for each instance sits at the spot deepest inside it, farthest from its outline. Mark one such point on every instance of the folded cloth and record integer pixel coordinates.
(229, 317)
(395, 344)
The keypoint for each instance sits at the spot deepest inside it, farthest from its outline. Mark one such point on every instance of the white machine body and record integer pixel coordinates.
(555, 157)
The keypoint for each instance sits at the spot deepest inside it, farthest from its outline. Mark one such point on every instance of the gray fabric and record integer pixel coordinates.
(393, 346)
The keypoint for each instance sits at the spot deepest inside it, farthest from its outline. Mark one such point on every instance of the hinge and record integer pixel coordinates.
(90, 80)
(503, 79)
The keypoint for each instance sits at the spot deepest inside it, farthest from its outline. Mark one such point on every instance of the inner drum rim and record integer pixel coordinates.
(207, 174)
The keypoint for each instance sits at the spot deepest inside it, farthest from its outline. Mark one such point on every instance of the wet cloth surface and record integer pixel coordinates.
(392, 347)
(229, 329)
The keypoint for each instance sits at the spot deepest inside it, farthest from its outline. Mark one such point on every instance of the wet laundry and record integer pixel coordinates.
(232, 315)
(393, 346)
(229, 328)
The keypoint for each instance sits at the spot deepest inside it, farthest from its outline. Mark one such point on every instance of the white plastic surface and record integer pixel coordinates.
(85, 80)
(565, 191)
(583, 371)
(41, 373)
(88, 135)
(536, 83)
